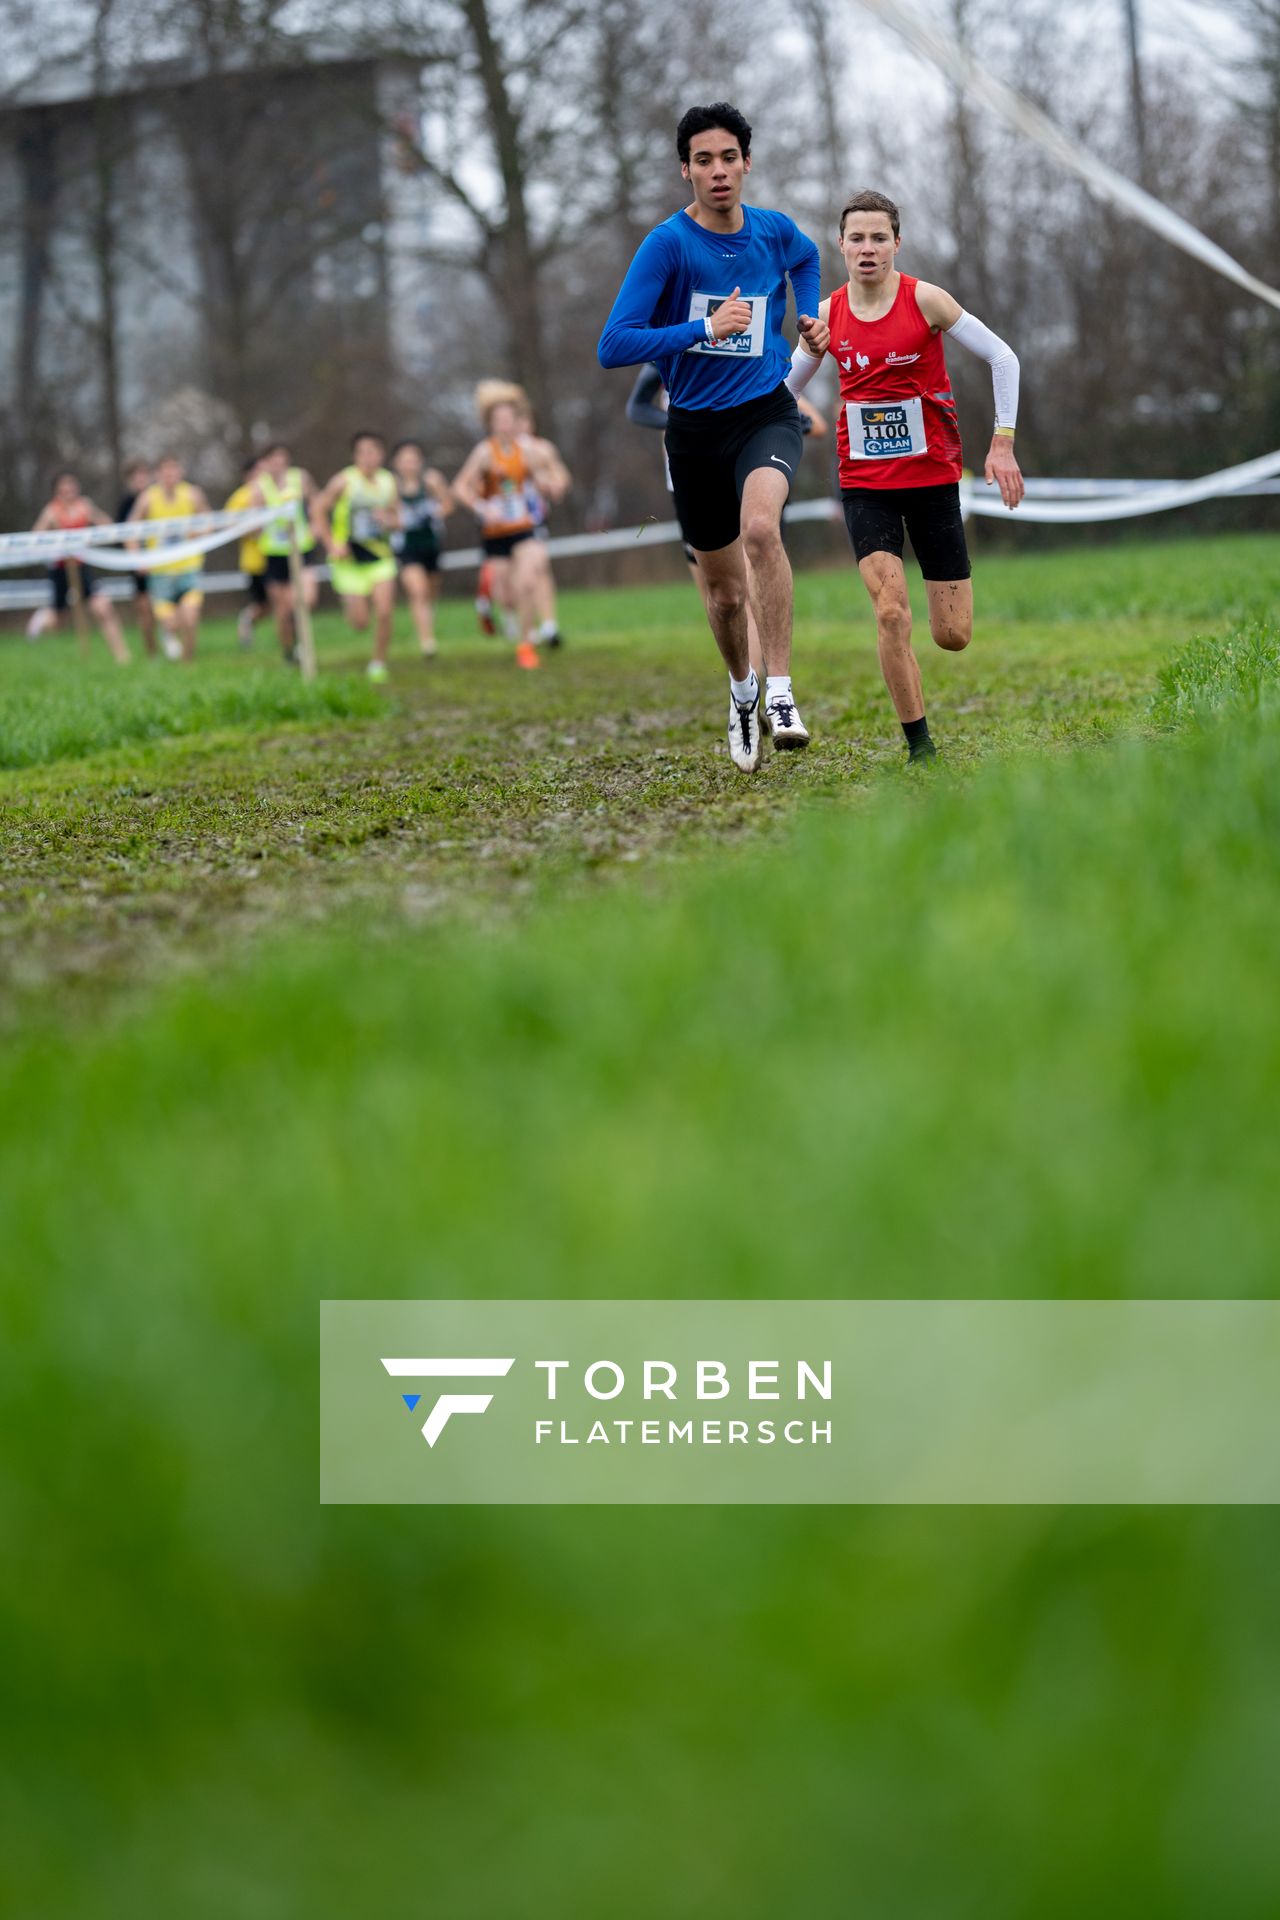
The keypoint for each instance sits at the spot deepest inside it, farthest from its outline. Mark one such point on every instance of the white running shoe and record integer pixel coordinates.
(786, 729)
(244, 626)
(744, 734)
(170, 644)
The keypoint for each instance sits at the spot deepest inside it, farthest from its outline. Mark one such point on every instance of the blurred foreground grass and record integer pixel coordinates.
(1010, 1034)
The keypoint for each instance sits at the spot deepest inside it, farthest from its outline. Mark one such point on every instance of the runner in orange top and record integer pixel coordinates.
(67, 510)
(496, 482)
(899, 443)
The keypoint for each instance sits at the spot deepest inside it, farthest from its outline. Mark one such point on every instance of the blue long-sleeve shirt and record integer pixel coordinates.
(682, 272)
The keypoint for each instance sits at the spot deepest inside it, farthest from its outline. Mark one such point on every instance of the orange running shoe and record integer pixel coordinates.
(527, 656)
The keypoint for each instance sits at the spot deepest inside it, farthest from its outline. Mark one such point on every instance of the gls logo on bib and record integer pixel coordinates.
(888, 430)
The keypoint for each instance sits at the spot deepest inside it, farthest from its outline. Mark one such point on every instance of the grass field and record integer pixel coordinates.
(507, 984)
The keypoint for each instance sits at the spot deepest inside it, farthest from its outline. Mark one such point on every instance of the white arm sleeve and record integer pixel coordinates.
(970, 332)
(803, 367)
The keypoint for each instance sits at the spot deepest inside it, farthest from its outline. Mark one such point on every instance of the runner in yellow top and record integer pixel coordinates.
(176, 589)
(253, 561)
(277, 480)
(355, 517)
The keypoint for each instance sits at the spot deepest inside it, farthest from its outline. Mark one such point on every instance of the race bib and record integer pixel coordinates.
(886, 429)
(365, 525)
(738, 346)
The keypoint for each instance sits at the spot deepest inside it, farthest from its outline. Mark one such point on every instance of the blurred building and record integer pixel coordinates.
(245, 236)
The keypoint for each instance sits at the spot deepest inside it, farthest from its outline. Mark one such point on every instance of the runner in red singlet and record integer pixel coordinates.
(899, 443)
(68, 510)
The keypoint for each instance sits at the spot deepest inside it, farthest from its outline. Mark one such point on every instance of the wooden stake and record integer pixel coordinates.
(79, 612)
(303, 637)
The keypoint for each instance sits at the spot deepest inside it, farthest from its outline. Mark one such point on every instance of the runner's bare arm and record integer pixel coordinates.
(467, 485)
(942, 310)
(817, 425)
(97, 518)
(46, 522)
(321, 512)
(549, 472)
(439, 489)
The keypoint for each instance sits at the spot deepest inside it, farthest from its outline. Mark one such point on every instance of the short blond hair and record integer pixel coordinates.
(496, 393)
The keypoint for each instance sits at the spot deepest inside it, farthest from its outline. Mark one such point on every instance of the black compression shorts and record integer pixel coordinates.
(879, 517)
(711, 451)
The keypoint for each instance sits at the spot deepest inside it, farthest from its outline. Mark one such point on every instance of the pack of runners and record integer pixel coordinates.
(377, 524)
(701, 312)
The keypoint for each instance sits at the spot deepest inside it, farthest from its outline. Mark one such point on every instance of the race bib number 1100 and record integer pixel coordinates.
(738, 346)
(887, 430)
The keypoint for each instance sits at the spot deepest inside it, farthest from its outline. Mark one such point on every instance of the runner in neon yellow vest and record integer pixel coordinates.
(279, 483)
(355, 517)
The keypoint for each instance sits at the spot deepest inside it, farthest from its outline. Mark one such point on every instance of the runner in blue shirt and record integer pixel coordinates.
(705, 299)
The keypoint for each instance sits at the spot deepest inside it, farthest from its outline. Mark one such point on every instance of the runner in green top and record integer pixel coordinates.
(279, 483)
(424, 501)
(355, 517)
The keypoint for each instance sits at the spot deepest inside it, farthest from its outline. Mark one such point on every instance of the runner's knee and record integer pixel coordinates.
(951, 633)
(761, 535)
(726, 597)
(893, 610)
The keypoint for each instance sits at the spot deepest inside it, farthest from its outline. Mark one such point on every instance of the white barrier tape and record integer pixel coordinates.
(961, 67)
(1115, 489)
(1160, 498)
(46, 549)
(1128, 500)
(109, 560)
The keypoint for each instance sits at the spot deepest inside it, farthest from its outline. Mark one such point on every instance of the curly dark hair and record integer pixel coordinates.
(702, 119)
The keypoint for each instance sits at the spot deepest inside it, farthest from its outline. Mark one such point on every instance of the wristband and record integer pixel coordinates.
(707, 327)
(1005, 433)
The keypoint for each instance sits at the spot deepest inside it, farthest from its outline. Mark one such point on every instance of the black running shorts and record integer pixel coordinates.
(878, 518)
(279, 571)
(501, 546)
(60, 580)
(711, 451)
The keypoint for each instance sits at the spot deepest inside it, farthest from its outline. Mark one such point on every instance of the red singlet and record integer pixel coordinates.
(69, 518)
(894, 395)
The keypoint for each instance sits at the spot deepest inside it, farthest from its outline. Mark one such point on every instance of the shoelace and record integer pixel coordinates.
(744, 722)
(783, 712)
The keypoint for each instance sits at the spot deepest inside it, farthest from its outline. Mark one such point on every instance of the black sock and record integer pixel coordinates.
(917, 732)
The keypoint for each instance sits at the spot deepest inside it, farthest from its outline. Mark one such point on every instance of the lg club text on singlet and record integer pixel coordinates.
(506, 492)
(898, 425)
